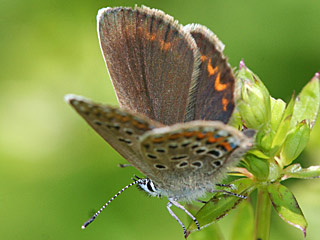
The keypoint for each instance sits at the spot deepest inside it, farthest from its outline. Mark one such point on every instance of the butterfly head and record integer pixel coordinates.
(147, 185)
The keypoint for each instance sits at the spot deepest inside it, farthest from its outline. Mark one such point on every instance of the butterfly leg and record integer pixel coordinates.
(169, 205)
(230, 193)
(231, 186)
(175, 203)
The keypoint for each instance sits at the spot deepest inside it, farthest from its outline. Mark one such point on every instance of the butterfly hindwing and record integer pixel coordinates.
(214, 97)
(152, 61)
(120, 128)
(194, 152)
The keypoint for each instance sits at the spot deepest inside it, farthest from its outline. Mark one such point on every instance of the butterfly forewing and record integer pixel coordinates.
(152, 62)
(192, 155)
(215, 84)
(120, 128)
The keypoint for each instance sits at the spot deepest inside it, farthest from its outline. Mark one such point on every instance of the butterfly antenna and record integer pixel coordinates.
(138, 180)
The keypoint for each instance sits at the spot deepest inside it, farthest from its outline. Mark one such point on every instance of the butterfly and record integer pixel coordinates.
(176, 94)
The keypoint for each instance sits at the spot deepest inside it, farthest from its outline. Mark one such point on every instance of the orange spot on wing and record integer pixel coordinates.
(139, 125)
(189, 134)
(200, 135)
(214, 140)
(147, 35)
(211, 140)
(175, 136)
(203, 58)
(124, 119)
(211, 70)
(153, 37)
(218, 85)
(165, 46)
(158, 140)
(142, 126)
(226, 145)
(225, 103)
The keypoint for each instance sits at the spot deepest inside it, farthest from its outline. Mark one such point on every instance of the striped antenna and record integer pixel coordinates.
(138, 180)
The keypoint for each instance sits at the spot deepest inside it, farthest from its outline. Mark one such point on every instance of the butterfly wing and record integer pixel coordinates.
(151, 60)
(215, 83)
(192, 157)
(120, 128)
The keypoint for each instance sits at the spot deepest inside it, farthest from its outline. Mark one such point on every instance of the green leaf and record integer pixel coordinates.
(287, 206)
(296, 171)
(220, 204)
(244, 222)
(295, 142)
(307, 103)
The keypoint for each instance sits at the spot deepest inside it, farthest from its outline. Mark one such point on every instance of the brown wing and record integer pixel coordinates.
(120, 128)
(151, 60)
(192, 155)
(215, 84)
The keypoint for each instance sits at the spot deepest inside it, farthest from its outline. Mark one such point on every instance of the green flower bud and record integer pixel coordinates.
(267, 136)
(253, 99)
(259, 167)
(277, 110)
(284, 126)
(235, 120)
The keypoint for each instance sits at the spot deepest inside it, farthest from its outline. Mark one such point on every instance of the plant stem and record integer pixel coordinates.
(263, 214)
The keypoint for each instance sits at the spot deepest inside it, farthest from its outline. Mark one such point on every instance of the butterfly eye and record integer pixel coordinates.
(150, 186)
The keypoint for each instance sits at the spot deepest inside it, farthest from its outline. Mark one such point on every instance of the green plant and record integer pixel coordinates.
(283, 131)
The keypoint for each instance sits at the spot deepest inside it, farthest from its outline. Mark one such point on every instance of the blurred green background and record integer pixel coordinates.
(55, 170)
